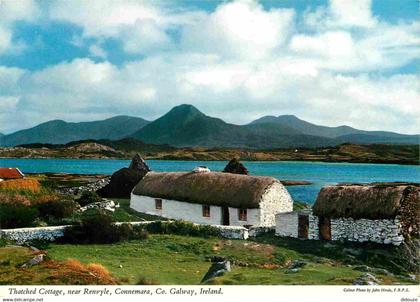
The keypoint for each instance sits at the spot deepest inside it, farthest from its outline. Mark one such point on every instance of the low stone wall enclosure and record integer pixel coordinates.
(23, 235)
(386, 231)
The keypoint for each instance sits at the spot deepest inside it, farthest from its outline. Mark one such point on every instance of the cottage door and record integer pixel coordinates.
(303, 226)
(324, 228)
(225, 216)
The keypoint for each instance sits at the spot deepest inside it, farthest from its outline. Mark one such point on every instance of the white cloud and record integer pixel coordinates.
(345, 36)
(238, 62)
(103, 18)
(97, 51)
(140, 25)
(342, 13)
(144, 37)
(241, 28)
(10, 12)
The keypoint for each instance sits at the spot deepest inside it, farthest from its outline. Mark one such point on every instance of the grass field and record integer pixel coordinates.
(173, 259)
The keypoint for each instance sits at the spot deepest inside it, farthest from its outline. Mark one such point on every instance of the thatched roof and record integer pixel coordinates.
(213, 188)
(375, 201)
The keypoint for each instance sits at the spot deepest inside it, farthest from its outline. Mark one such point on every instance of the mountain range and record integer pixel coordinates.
(186, 126)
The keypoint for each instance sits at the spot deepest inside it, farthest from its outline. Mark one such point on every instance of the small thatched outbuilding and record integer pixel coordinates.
(212, 197)
(378, 212)
(375, 202)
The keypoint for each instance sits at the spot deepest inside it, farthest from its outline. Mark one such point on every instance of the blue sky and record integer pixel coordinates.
(330, 62)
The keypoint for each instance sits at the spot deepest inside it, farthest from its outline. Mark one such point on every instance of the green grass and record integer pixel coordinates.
(172, 259)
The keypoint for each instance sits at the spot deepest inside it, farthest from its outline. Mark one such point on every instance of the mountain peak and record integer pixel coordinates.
(289, 117)
(184, 110)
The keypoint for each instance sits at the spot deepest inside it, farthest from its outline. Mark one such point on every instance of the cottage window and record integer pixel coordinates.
(206, 211)
(158, 204)
(242, 214)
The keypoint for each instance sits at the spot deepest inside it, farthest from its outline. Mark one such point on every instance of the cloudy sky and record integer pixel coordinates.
(329, 62)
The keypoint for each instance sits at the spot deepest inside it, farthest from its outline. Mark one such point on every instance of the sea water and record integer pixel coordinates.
(319, 173)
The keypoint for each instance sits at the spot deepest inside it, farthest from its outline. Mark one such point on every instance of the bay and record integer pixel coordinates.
(319, 173)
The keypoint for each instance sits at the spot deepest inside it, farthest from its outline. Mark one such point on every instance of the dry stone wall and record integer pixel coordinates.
(20, 236)
(313, 227)
(385, 231)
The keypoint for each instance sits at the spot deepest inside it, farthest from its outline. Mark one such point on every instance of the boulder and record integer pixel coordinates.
(295, 266)
(123, 181)
(235, 167)
(34, 261)
(216, 269)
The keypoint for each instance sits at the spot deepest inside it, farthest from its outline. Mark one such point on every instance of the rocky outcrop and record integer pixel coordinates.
(138, 164)
(123, 181)
(235, 167)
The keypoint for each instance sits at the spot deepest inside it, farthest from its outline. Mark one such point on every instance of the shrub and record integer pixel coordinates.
(29, 184)
(181, 227)
(98, 227)
(57, 209)
(88, 197)
(17, 216)
(73, 272)
(27, 197)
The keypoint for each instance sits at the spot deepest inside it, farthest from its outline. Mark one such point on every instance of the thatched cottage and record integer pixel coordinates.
(382, 213)
(212, 197)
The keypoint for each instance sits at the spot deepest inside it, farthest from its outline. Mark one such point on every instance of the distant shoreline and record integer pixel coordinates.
(404, 163)
(345, 153)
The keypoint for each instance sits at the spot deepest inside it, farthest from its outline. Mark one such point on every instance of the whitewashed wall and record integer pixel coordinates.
(287, 224)
(276, 199)
(191, 212)
(253, 217)
(176, 210)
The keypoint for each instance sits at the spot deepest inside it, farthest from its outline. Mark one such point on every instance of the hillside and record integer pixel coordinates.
(61, 132)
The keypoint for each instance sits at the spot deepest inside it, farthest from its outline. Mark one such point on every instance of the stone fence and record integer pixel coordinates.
(22, 235)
